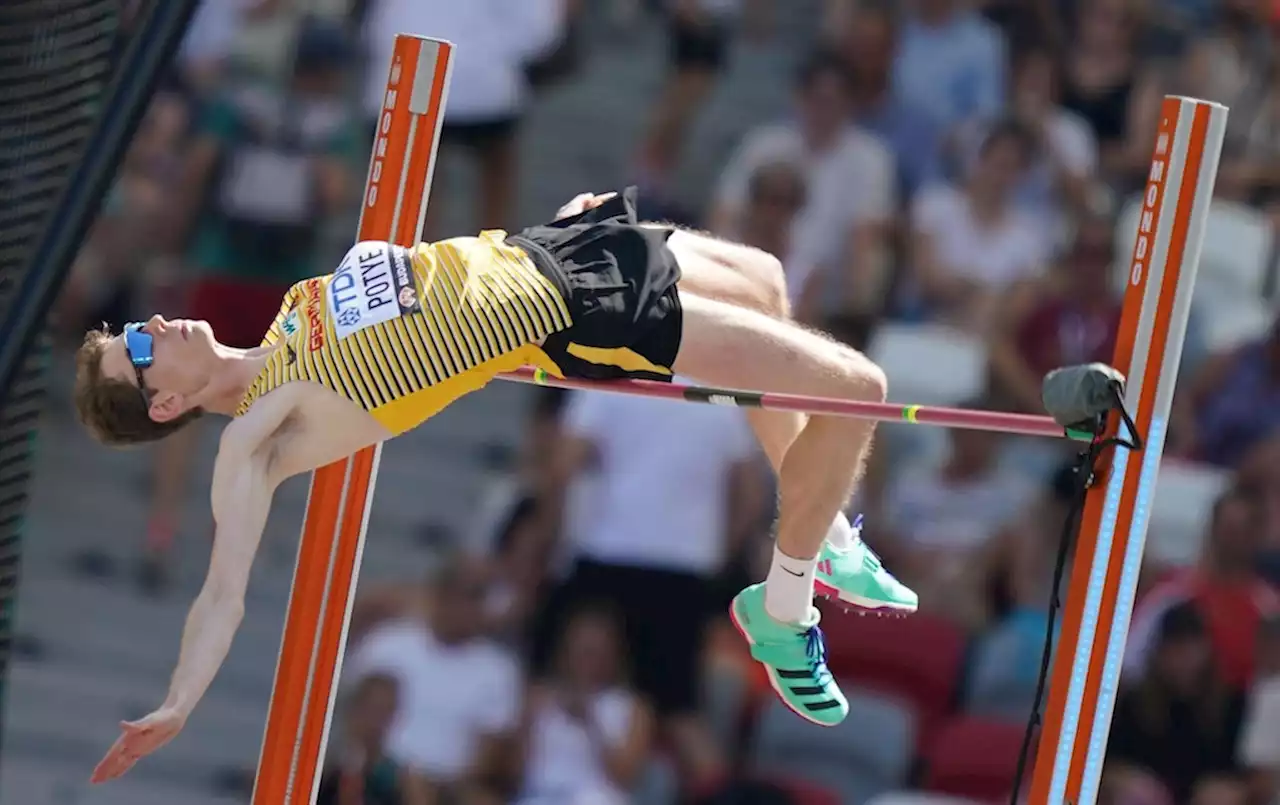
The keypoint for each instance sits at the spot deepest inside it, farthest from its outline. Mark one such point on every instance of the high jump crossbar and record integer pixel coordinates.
(993, 421)
(1100, 599)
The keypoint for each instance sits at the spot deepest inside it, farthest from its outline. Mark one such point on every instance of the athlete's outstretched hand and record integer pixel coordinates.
(138, 739)
(581, 203)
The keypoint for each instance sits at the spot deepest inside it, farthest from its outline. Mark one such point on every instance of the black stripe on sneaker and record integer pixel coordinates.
(814, 690)
(793, 674)
(827, 705)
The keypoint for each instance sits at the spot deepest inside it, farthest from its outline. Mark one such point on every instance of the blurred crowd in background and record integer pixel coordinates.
(950, 189)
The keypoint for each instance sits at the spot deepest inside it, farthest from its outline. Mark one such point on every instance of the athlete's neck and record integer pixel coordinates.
(233, 373)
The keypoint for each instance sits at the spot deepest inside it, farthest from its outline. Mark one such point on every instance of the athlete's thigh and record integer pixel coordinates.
(723, 344)
(730, 272)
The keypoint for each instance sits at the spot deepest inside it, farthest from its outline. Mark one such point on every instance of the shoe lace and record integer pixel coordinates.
(815, 649)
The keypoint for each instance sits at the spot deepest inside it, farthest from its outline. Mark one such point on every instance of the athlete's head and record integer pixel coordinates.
(144, 383)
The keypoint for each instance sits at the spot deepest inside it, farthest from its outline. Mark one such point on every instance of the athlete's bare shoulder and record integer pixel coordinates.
(300, 426)
(255, 433)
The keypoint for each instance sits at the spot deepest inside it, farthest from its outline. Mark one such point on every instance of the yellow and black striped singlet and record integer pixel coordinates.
(405, 332)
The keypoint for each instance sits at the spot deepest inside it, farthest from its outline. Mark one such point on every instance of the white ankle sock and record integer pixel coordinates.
(788, 589)
(841, 535)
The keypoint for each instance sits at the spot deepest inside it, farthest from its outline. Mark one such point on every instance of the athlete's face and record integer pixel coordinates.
(173, 359)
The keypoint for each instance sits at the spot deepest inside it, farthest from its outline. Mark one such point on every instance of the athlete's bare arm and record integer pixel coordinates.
(240, 495)
(244, 479)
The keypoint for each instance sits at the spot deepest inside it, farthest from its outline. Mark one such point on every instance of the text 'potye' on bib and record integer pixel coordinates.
(374, 284)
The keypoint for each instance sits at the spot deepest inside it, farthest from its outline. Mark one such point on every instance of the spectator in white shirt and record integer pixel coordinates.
(776, 195)
(460, 694)
(1065, 159)
(851, 188)
(489, 92)
(586, 736)
(972, 241)
(664, 493)
(942, 520)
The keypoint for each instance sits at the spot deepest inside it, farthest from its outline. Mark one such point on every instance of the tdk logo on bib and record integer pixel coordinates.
(374, 284)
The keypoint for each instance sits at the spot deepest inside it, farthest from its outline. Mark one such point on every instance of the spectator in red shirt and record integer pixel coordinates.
(1070, 318)
(1224, 587)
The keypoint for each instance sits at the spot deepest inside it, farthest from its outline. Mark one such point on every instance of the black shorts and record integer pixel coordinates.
(664, 616)
(619, 280)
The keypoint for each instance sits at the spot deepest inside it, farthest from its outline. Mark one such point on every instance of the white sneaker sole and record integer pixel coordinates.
(862, 606)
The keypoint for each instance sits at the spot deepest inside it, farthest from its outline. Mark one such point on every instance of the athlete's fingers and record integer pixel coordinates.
(575, 206)
(596, 201)
(117, 761)
(111, 768)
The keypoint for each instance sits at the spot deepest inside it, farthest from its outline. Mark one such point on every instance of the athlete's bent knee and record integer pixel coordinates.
(772, 282)
(866, 380)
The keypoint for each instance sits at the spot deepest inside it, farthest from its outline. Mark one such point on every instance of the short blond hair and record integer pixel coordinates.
(113, 410)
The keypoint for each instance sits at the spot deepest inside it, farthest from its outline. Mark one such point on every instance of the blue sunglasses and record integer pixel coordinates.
(137, 345)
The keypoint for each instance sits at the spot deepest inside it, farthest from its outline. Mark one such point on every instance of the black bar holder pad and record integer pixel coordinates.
(1075, 396)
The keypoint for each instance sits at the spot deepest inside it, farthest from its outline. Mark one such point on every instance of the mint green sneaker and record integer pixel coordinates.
(795, 657)
(857, 579)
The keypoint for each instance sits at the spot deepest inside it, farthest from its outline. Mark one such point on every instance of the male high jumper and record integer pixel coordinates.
(395, 335)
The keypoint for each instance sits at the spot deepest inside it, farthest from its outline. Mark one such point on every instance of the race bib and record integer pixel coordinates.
(374, 284)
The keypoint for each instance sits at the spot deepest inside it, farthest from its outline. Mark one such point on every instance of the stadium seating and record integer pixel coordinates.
(1237, 251)
(1227, 321)
(918, 798)
(930, 364)
(974, 758)
(1180, 510)
(1237, 248)
(867, 754)
(803, 792)
(1004, 669)
(726, 694)
(659, 784)
(916, 660)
